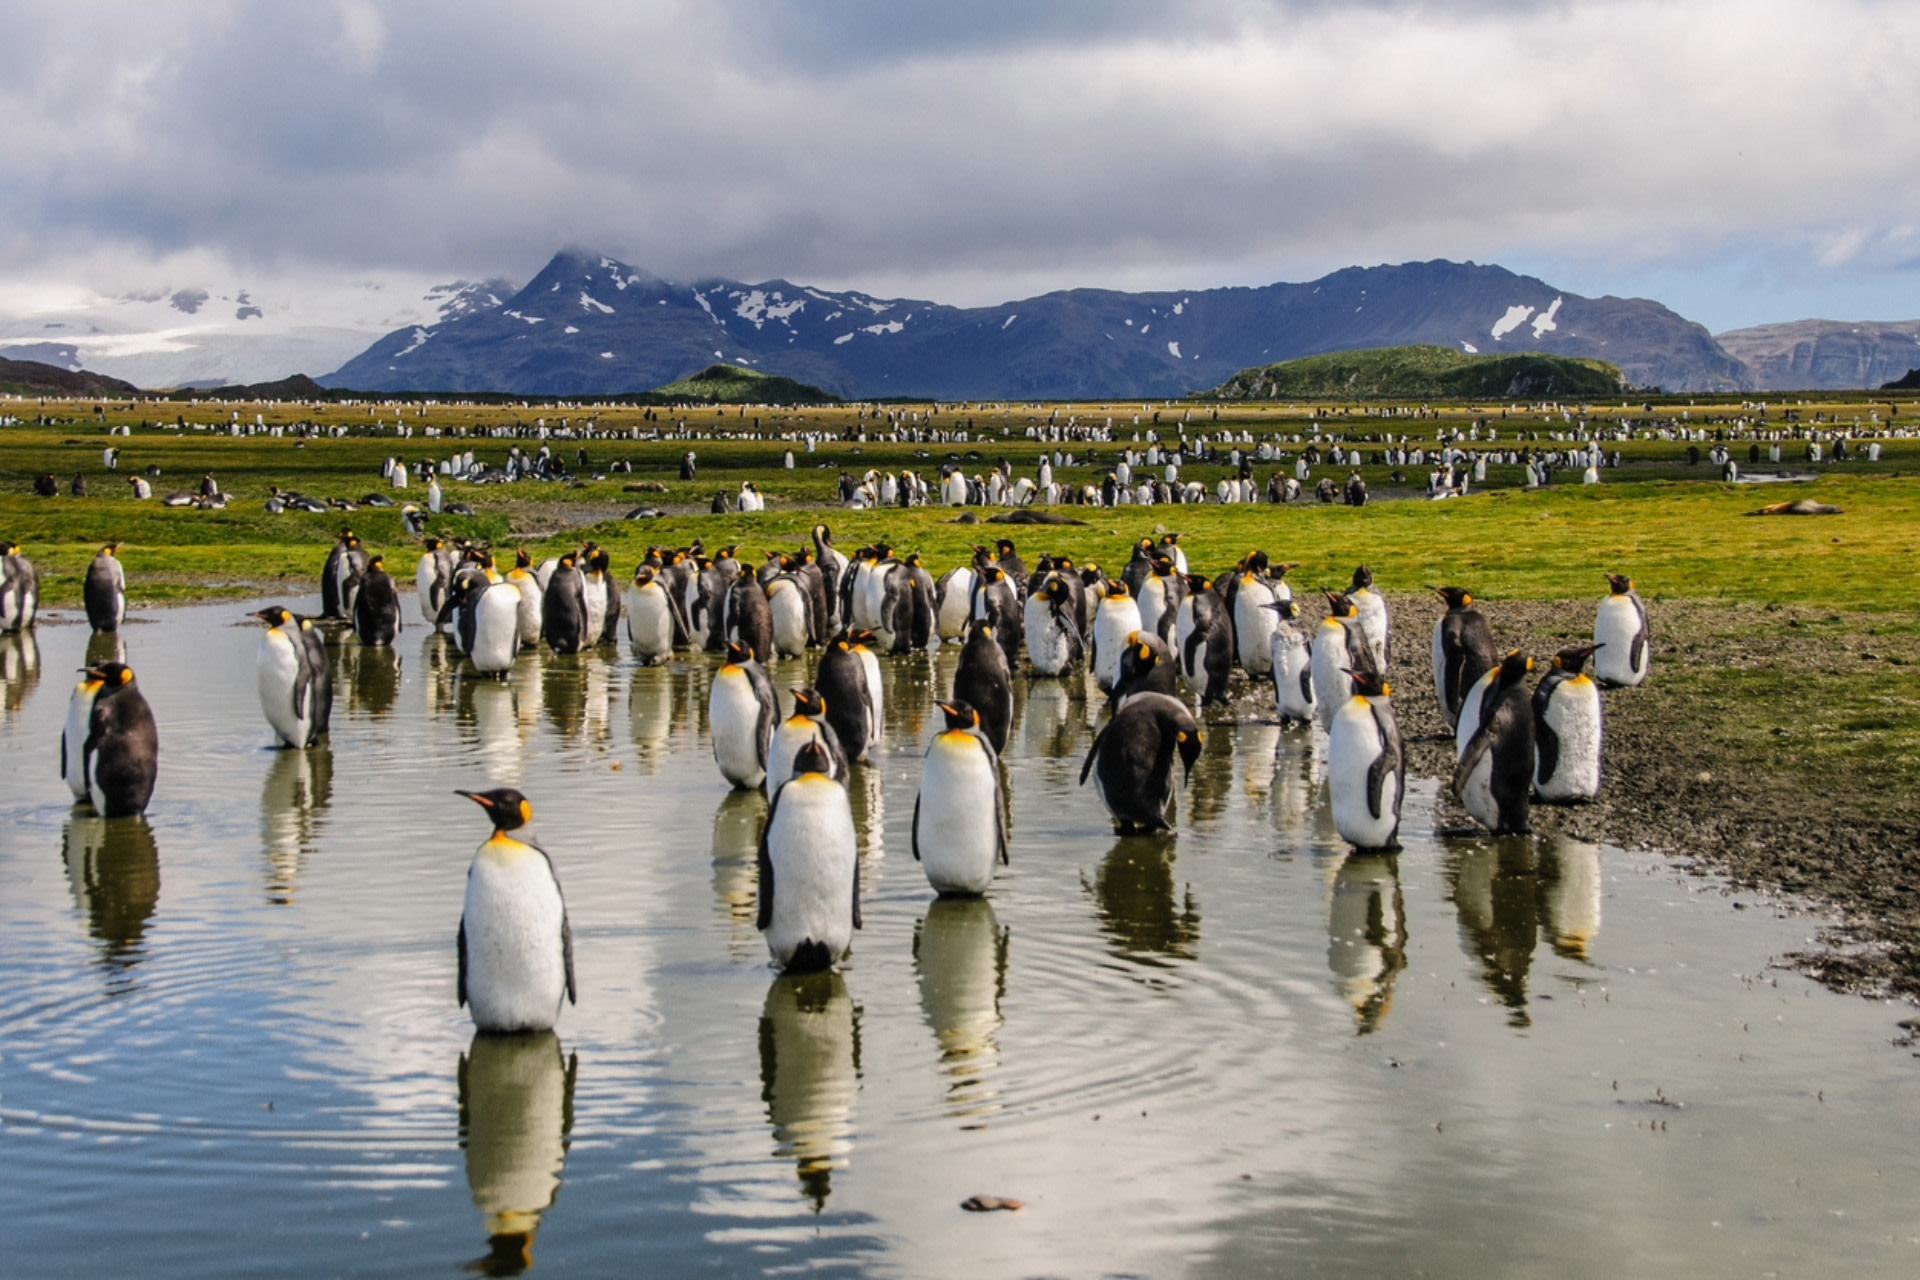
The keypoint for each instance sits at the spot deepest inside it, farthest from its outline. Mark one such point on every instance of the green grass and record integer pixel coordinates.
(1415, 372)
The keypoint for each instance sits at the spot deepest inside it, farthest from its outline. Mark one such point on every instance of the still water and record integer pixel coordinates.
(229, 1044)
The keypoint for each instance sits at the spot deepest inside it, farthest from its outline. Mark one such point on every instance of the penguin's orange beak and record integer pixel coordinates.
(476, 797)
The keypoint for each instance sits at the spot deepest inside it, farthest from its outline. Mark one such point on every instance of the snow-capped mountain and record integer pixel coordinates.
(589, 324)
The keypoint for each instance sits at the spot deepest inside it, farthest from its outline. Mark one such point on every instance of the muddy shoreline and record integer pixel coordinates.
(1722, 795)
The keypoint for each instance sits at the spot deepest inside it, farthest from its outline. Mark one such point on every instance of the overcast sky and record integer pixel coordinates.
(1742, 160)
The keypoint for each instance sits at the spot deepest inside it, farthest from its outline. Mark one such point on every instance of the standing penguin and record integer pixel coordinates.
(1053, 628)
(1371, 608)
(433, 580)
(959, 815)
(740, 712)
(809, 868)
(807, 724)
(1292, 666)
(1567, 730)
(1620, 631)
(564, 608)
(749, 617)
(996, 601)
(294, 678)
(19, 589)
(1463, 651)
(1340, 649)
(953, 608)
(985, 682)
(487, 623)
(376, 606)
(515, 941)
(1131, 761)
(340, 576)
(842, 680)
(110, 748)
(1203, 639)
(533, 598)
(1495, 773)
(790, 609)
(1366, 766)
(105, 590)
(1115, 619)
(1253, 623)
(649, 618)
(602, 578)
(876, 687)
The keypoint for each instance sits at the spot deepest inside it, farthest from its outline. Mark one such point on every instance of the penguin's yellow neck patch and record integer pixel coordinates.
(956, 738)
(501, 847)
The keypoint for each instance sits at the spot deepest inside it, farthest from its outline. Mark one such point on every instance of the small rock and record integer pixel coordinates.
(987, 1204)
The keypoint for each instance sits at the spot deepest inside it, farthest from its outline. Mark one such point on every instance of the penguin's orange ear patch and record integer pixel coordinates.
(126, 676)
(1145, 653)
(526, 812)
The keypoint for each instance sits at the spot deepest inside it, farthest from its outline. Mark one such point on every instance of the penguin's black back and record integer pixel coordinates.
(124, 744)
(985, 680)
(842, 681)
(1133, 758)
(1151, 672)
(563, 612)
(376, 609)
(1466, 643)
(101, 592)
(750, 618)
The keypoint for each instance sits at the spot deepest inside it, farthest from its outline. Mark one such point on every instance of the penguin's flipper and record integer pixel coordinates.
(1092, 752)
(63, 753)
(1388, 762)
(916, 828)
(999, 807)
(1546, 746)
(1637, 655)
(566, 953)
(856, 893)
(460, 987)
(1306, 684)
(763, 918)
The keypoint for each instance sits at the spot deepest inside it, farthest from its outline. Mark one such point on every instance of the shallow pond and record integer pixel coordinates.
(229, 1044)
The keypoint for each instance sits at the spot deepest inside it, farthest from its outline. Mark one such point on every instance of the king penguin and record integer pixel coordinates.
(959, 815)
(295, 680)
(1146, 667)
(1371, 608)
(984, 682)
(487, 623)
(1203, 637)
(1292, 666)
(1366, 766)
(1115, 618)
(1621, 632)
(376, 606)
(649, 618)
(1131, 761)
(1567, 730)
(515, 942)
(110, 748)
(740, 713)
(19, 589)
(340, 576)
(533, 598)
(1340, 649)
(842, 680)
(1463, 651)
(1495, 772)
(1053, 627)
(809, 868)
(433, 580)
(105, 590)
(564, 608)
(807, 724)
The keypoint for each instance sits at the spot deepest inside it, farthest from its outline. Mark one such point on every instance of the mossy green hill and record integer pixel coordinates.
(1415, 373)
(730, 384)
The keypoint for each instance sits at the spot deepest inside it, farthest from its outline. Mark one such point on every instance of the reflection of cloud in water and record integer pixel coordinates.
(1366, 934)
(737, 824)
(960, 955)
(809, 1075)
(19, 671)
(114, 868)
(516, 1115)
(1570, 894)
(1496, 894)
(1137, 905)
(293, 807)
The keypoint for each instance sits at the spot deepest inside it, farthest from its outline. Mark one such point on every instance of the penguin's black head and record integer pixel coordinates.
(1285, 608)
(1005, 546)
(960, 714)
(738, 654)
(993, 573)
(1620, 583)
(111, 676)
(810, 758)
(1456, 597)
(642, 576)
(507, 808)
(603, 560)
(1339, 604)
(274, 615)
(432, 543)
(1571, 660)
(8, 548)
(1187, 742)
(1514, 668)
(1258, 562)
(111, 549)
(1169, 539)
(1198, 582)
(1371, 684)
(808, 702)
(1056, 588)
(1117, 590)
(521, 560)
(1362, 579)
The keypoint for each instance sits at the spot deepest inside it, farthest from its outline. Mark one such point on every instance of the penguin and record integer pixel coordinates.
(533, 598)
(1138, 567)
(433, 580)
(19, 589)
(105, 590)
(1114, 621)
(110, 748)
(1620, 631)
(593, 591)
(1203, 639)
(1253, 624)
(953, 603)
(1567, 730)
(294, 679)
(376, 605)
(1340, 648)
(833, 567)
(876, 690)
(1366, 766)
(487, 624)
(1292, 666)
(807, 724)
(340, 576)
(1463, 651)
(1495, 773)
(809, 868)
(749, 619)
(649, 618)
(841, 679)
(1054, 646)
(1170, 548)
(1160, 597)
(995, 601)
(564, 608)
(601, 579)
(1131, 761)
(959, 814)
(740, 712)
(1145, 667)
(515, 941)
(790, 610)
(897, 608)
(1371, 608)
(920, 591)
(1010, 563)
(984, 682)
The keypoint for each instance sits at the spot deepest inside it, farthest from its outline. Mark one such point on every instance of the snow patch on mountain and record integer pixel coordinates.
(1173, 349)
(1506, 324)
(590, 303)
(1543, 323)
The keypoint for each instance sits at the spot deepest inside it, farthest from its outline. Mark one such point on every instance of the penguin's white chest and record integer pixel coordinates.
(1253, 627)
(876, 694)
(73, 742)
(496, 632)
(789, 736)
(649, 622)
(733, 712)
(1615, 630)
(1476, 793)
(951, 619)
(1047, 644)
(278, 677)
(596, 608)
(956, 823)
(813, 851)
(1117, 619)
(533, 608)
(1332, 687)
(1440, 663)
(1373, 623)
(1573, 716)
(1153, 603)
(789, 609)
(1353, 744)
(1469, 723)
(1293, 674)
(516, 962)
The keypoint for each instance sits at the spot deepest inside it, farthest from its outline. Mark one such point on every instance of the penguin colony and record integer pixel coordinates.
(1154, 638)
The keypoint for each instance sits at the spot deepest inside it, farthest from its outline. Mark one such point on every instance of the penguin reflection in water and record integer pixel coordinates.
(110, 748)
(295, 678)
(809, 868)
(1131, 761)
(516, 1117)
(515, 942)
(959, 815)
